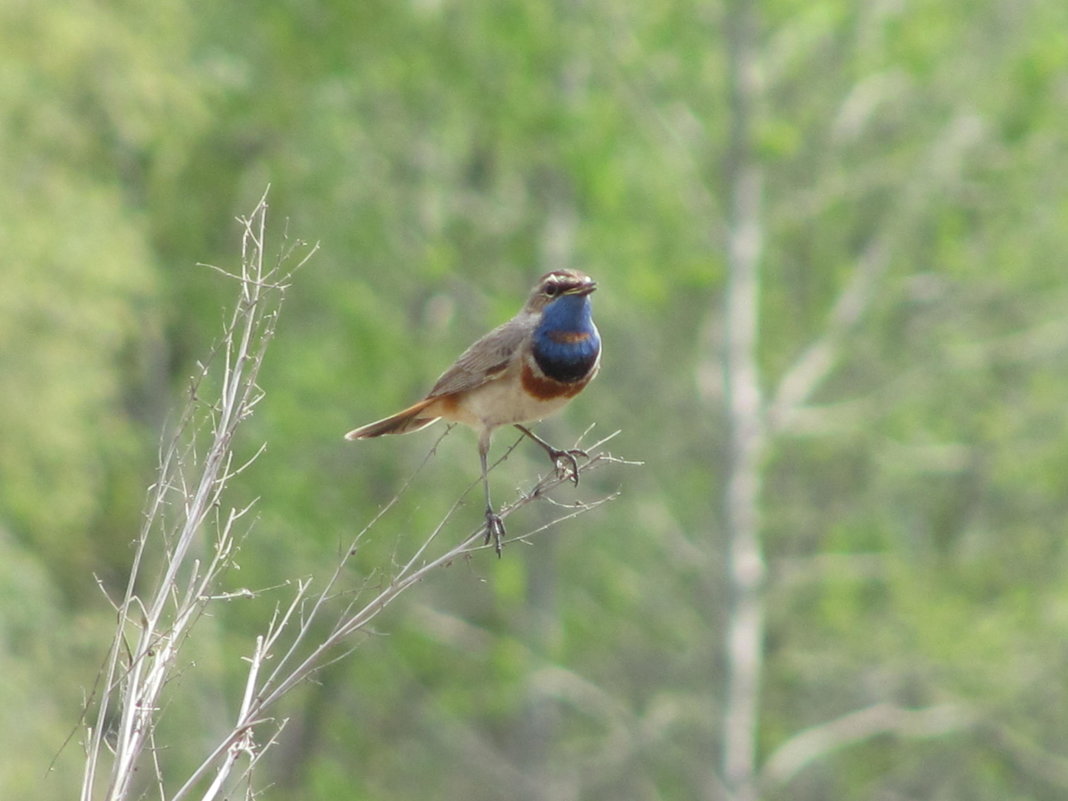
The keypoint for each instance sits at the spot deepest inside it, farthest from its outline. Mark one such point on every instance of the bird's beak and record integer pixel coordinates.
(585, 289)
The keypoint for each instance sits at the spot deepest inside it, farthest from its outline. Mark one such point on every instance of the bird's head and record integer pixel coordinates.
(558, 284)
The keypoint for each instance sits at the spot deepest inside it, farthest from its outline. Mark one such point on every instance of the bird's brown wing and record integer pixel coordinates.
(485, 360)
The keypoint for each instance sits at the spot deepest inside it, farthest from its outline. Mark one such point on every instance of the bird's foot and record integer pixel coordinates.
(566, 462)
(562, 459)
(494, 531)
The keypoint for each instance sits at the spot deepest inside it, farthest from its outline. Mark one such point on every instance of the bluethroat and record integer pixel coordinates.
(520, 372)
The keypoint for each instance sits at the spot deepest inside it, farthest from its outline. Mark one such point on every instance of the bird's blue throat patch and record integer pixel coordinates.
(566, 342)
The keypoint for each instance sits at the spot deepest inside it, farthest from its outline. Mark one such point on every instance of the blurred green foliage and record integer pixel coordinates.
(443, 154)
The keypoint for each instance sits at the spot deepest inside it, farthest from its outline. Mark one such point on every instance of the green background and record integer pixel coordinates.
(443, 155)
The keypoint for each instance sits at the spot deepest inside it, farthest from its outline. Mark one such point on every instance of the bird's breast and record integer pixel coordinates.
(543, 388)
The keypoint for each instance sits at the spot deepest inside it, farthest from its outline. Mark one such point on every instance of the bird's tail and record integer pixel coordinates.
(411, 419)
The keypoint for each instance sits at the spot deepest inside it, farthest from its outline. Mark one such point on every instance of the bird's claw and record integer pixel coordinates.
(570, 457)
(494, 531)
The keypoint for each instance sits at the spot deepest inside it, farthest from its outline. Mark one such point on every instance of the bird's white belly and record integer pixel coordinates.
(503, 402)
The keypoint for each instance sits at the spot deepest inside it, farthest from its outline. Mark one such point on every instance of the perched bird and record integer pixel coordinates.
(521, 371)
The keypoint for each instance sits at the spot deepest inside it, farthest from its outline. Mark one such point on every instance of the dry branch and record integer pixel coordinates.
(156, 615)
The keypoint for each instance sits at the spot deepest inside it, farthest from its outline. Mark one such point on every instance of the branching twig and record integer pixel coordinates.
(195, 466)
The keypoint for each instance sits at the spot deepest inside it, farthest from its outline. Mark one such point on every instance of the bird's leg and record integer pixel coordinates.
(570, 456)
(494, 524)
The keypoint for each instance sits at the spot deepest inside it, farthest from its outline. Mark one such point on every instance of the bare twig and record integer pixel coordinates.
(195, 465)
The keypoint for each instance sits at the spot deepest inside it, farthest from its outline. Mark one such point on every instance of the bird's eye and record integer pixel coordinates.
(552, 289)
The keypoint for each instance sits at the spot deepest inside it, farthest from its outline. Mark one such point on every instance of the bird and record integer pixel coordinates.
(520, 372)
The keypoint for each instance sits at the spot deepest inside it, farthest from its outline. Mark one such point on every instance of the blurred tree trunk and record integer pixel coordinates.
(745, 561)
